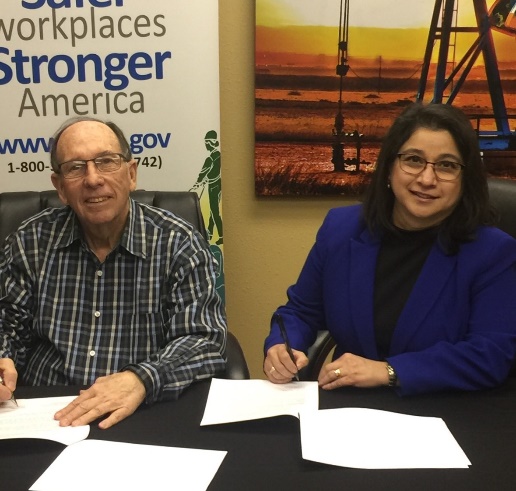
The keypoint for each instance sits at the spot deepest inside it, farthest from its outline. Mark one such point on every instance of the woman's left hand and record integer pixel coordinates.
(353, 370)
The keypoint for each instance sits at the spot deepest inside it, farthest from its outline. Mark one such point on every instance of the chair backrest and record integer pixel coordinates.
(236, 365)
(18, 206)
(15, 207)
(317, 354)
(502, 194)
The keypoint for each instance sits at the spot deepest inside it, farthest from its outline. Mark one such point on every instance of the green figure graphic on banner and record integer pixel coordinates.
(210, 177)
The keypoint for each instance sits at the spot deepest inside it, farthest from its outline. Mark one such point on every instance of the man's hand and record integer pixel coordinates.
(350, 369)
(9, 376)
(118, 394)
(279, 368)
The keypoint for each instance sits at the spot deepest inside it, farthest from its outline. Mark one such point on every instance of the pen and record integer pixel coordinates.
(12, 393)
(283, 331)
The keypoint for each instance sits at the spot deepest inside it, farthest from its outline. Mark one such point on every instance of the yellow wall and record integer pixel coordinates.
(266, 240)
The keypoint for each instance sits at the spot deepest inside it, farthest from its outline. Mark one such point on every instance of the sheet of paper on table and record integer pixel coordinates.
(34, 418)
(230, 401)
(104, 465)
(374, 439)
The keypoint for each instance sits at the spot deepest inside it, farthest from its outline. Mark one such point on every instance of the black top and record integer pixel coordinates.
(400, 260)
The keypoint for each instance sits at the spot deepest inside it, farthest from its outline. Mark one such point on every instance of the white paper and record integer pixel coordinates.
(241, 400)
(34, 418)
(104, 465)
(374, 439)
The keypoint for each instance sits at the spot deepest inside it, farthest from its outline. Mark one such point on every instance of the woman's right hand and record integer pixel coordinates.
(279, 368)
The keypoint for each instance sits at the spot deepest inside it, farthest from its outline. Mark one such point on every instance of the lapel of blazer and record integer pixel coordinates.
(364, 252)
(423, 297)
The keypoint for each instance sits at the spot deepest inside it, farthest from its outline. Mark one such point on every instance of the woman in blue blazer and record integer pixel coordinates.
(415, 285)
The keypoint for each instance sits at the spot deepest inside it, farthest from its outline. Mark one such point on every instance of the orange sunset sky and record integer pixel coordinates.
(392, 29)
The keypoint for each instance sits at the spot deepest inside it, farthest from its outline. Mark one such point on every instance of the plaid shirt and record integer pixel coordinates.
(151, 307)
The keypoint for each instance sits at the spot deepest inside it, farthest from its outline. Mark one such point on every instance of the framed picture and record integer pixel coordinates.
(331, 75)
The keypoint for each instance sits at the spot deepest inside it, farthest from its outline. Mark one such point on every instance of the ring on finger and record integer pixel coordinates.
(272, 370)
(337, 372)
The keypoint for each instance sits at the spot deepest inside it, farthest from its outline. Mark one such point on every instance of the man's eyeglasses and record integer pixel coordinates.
(110, 162)
(445, 170)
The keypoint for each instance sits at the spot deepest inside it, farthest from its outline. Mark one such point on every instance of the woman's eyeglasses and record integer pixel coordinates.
(445, 170)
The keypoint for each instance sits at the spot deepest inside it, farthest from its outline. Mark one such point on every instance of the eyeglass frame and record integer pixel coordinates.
(401, 154)
(84, 163)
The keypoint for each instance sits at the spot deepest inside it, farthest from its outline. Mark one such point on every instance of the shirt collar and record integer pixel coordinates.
(133, 236)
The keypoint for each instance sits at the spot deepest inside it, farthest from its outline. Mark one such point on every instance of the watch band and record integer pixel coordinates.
(393, 379)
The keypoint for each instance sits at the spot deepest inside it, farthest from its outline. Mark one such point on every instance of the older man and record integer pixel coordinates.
(106, 292)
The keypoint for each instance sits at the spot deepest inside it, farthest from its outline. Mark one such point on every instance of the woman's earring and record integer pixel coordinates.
(389, 184)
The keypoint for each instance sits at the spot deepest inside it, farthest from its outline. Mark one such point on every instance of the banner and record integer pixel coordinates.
(151, 67)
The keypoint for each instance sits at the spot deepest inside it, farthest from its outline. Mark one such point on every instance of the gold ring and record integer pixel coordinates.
(337, 372)
(272, 370)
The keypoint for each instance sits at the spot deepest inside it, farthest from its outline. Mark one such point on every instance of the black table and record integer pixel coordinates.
(266, 454)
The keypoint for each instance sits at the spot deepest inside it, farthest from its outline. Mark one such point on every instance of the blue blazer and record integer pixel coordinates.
(457, 329)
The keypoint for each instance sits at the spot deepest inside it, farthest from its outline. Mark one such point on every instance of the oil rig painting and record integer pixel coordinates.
(325, 95)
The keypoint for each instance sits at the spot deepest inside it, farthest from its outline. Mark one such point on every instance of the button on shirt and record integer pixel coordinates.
(151, 307)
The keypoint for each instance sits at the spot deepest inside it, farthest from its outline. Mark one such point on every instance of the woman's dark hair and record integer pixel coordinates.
(473, 208)
(124, 144)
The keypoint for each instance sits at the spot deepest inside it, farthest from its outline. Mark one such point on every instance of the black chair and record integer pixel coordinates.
(317, 355)
(236, 366)
(18, 206)
(502, 194)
